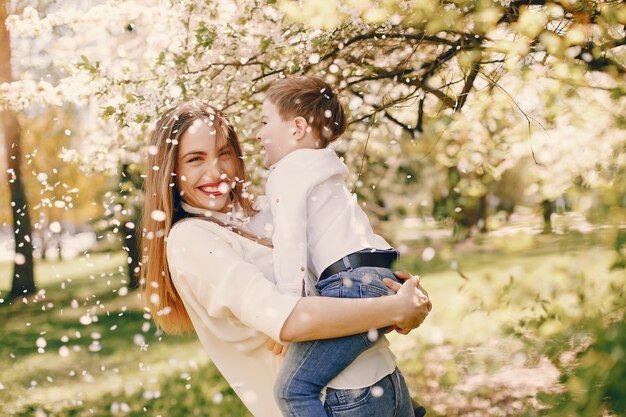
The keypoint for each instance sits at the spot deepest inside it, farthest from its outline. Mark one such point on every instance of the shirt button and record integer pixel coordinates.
(302, 268)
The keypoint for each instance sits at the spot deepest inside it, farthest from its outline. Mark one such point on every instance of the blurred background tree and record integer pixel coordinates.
(416, 78)
(463, 114)
(23, 273)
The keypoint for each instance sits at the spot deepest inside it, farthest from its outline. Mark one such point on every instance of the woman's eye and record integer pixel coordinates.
(194, 159)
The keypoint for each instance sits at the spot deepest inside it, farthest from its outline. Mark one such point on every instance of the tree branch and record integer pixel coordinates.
(447, 101)
(467, 87)
(410, 130)
(388, 115)
(382, 74)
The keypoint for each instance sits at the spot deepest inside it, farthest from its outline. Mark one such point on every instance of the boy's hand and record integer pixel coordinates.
(276, 348)
(398, 330)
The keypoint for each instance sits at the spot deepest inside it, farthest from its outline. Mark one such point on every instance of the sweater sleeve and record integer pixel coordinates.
(222, 281)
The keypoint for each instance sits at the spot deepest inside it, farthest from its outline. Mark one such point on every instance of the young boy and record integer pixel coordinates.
(318, 228)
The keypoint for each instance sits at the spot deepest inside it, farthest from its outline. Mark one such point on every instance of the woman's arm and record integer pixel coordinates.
(325, 317)
(223, 284)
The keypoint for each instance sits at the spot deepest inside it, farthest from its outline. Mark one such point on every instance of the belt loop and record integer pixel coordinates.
(347, 264)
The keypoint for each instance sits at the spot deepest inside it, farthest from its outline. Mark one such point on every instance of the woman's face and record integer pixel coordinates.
(205, 168)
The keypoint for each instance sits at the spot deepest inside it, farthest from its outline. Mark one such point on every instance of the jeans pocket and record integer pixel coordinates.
(346, 399)
(332, 289)
(373, 290)
(331, 286)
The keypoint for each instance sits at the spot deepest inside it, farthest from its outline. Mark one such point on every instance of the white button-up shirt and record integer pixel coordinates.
(317, 221)
(226, 283)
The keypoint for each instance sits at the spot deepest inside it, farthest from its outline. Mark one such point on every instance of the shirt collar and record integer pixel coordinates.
(228, 218)
(291, 154)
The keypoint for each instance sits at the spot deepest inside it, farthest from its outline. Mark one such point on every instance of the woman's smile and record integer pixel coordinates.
(215, 189)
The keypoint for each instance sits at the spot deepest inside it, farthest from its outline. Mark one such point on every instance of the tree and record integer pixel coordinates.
(407, 72)
(23, 267)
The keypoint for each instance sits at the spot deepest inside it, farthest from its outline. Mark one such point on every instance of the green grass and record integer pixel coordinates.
(498, 312)
(470, 334)
(95, 369)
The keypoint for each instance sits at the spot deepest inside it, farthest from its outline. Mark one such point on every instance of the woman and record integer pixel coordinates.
(207, 269)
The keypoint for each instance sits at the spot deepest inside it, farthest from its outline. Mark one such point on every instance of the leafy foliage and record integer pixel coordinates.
(476, 86)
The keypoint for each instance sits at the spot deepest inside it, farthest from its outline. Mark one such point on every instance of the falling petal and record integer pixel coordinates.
(41, 342)
(19, 259)
(218, 398)
(158, 215)
(55, 227)
(223, 188)
(64, 352)
(372, 335)
(139, 340)
(155, 299)
(377, 391)
(428, 254)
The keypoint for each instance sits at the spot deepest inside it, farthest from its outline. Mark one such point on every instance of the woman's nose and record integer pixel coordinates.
(212, 170)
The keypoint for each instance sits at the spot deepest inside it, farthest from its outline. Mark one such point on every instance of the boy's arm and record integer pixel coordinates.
(276, 348)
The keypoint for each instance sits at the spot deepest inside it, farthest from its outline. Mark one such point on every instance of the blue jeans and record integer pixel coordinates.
(389, 397)
(309, 366)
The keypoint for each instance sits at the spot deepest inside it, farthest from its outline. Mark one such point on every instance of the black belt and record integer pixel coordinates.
(379, 259)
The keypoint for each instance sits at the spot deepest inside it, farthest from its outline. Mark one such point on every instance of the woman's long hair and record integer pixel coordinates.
(162, 206)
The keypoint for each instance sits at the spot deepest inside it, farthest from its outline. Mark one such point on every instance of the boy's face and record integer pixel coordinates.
(276, 134)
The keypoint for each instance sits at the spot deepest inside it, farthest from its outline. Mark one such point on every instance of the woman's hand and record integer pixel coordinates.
(276, 348)
(414, 303)
(404, 275)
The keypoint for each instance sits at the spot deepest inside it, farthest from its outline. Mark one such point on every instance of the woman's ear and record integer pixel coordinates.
(301, 127)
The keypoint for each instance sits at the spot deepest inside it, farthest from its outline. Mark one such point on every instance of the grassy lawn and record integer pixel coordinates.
(479, 353)
(83, 347)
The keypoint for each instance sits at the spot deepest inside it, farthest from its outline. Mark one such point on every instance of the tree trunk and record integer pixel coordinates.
(547, 208)
(59, 244)
(23, 268)
(131, 242)
(128, 187)
(44, 239)
(483, 213)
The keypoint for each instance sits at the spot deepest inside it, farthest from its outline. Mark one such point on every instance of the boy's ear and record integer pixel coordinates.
(300, 127)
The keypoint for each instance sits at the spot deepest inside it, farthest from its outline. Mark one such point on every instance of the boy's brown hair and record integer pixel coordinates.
(311, 98)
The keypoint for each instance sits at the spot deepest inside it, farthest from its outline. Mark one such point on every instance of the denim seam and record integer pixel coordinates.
(349, 406)
(396, 388)
(291, 377)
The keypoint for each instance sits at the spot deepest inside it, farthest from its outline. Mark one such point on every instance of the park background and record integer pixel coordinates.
(486, 141)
